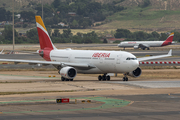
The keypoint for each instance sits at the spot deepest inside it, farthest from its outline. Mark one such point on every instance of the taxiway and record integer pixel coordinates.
(27, 98)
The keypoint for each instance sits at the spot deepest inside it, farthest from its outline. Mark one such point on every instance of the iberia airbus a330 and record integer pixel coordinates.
(70, 62)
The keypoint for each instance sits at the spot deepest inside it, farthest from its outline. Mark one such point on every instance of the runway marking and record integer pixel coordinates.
(25, 101)
(108, 103)
(28, 76)
(130, 103)
(149, 84)
(173, 95)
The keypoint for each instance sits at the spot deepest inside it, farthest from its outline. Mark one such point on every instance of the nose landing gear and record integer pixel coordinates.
(125, 78)
(104, 77)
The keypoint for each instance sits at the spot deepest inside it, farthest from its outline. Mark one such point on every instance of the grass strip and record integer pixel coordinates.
(31, 92)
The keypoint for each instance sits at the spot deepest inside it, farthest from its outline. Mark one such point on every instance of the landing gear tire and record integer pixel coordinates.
(104, 77)
(108, 77)
(147, 48)
(99, 77)
(125, 78)
(63, 79)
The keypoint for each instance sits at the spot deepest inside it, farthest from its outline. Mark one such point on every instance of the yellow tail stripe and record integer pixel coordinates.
(171, 34)
(39, 20)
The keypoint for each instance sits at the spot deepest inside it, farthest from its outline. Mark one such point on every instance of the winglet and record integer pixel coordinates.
(170, 52)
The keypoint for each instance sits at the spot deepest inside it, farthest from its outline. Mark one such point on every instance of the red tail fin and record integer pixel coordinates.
(44, 39)
(169, 40)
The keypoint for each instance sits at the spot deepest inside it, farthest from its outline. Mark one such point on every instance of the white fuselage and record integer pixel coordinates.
(136, 43)
(104, 61)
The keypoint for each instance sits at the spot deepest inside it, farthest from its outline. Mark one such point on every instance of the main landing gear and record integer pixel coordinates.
(145, 48)
(107, 77)
(65, 79)
(104, 77)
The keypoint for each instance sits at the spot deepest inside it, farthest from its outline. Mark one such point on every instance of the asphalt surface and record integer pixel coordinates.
(103, 106)
(141, 107)
(149, 84)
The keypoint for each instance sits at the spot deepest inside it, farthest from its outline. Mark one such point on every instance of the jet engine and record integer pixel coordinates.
(68, 72)
(136, 73)
(136, 47)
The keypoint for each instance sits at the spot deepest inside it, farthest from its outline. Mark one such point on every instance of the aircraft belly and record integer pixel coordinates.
(90, 71)
(101, 68)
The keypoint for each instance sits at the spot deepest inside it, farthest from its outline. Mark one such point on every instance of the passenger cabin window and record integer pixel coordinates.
(131, 58)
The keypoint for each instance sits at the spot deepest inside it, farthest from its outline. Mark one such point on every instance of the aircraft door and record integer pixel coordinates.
(118, 59)
(69, 58)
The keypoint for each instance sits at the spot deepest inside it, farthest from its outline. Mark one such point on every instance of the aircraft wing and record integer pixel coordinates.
(1, 51)
(34, 62)
(155, 57)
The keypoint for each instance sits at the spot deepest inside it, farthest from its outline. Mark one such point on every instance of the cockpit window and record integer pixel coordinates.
(131, 58)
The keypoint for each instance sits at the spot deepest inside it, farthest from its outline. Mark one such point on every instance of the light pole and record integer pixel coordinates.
(13, 26)
(42, 8)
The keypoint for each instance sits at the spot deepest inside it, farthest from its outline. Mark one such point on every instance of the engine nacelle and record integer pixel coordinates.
(68, 72)
(136, 47)
(136, 73)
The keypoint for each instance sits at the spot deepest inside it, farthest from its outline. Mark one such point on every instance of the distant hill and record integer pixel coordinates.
(161, 15)
(156, 4)
(19, 4)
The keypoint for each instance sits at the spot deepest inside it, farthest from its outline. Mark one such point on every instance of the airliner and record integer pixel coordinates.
(146, 44)
(69, 62)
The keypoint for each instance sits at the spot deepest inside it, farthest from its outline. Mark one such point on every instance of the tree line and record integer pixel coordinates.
(5, 15)
(144, 36)
(56, 36)
(91, 37)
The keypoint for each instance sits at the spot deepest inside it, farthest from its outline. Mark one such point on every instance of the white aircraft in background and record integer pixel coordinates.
(70, 62)
(146, 44)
